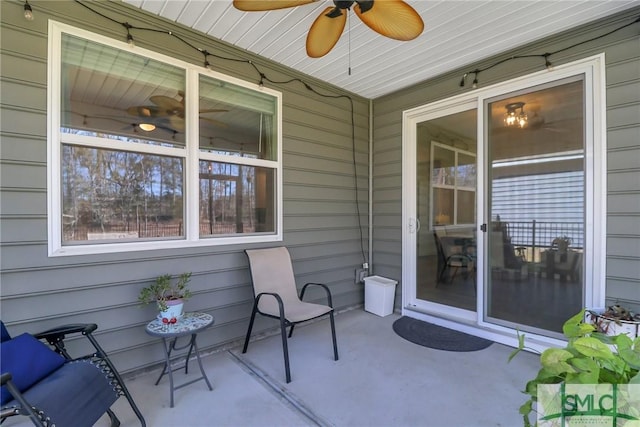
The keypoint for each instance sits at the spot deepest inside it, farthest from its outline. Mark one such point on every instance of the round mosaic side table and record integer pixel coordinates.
(188, 324)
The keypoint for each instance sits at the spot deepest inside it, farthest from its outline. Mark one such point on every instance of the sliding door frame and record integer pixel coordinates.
(593, 69)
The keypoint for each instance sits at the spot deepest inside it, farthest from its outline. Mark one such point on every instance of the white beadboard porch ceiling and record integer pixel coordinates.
(457, 34)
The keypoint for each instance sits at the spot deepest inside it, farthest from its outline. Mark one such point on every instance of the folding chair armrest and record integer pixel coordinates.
(325, 287)
(6, 376)
(55, 336)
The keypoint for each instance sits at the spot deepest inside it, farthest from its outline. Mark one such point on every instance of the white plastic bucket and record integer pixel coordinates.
(379, 295)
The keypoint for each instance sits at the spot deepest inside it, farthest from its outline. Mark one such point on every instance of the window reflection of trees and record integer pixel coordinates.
(110, 191)
(230, 200)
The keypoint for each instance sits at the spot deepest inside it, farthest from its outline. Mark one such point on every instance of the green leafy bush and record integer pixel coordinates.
(590, 357)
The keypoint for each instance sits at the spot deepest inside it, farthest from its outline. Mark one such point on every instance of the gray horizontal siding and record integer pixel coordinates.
(623, 141)
(321, 227)
(623, 175)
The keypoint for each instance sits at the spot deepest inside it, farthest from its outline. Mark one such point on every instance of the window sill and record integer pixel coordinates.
(110, 248)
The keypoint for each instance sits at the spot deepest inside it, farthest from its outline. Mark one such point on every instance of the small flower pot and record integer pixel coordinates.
(174, 310)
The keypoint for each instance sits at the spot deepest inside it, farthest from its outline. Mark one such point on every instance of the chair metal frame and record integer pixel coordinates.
(284, 322)
(55, 337)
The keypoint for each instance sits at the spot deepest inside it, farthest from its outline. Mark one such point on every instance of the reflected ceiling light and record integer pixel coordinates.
(515, 115)
(148, 127)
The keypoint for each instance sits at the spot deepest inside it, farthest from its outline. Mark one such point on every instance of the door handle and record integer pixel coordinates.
(414, 225)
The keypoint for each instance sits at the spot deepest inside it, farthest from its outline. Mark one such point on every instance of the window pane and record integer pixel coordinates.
(113, 93)
(236, 199)
(444, 172)
(442, 206)
(454, 182)
(110, 195)
(466, 207)
(237, 121)
(466, 171)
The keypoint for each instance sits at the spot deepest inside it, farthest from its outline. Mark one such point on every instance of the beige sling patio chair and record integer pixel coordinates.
(276, 296)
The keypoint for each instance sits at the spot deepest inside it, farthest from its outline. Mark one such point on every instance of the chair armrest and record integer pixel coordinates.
(276, 296)
(55, 337)
(6, 376)
(322, 285)
(460, 257)
(61, 331)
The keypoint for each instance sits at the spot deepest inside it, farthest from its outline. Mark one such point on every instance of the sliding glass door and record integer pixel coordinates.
(446, 181)
(535, 206)
(504, 204)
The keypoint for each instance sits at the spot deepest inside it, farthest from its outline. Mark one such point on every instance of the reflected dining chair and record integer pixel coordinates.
(276, 297)
(454, 254)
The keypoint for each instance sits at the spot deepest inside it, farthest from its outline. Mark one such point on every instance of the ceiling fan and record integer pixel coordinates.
(391, 18)
(172, 109)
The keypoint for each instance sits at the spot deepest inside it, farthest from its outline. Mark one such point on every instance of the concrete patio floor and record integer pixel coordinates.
(380, 380)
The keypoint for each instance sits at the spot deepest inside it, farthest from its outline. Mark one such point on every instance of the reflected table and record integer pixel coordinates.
(188, 325)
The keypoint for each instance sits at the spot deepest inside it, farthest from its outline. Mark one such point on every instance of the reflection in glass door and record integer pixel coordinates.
(446, 208)
(536, 207)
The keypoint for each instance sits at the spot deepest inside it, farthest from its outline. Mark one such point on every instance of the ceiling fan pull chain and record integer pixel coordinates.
(349, 22)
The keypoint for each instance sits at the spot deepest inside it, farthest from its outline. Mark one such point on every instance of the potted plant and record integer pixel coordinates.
(170, 295)
(615, 320)
(590, 357)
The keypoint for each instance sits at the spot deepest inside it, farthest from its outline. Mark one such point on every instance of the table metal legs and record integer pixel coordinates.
(169, 347)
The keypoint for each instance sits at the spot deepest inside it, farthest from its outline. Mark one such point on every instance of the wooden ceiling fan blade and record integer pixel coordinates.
(167, 102)
(264, 5)
(147, 111)
(324, 33)
(392, 18)
(177, 123)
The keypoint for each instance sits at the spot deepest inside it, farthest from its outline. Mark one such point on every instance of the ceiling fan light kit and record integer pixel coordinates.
(171, 110)
(391, 18)
(147, 127)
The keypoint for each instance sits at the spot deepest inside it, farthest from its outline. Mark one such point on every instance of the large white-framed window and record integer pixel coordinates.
(150, 152)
